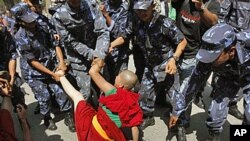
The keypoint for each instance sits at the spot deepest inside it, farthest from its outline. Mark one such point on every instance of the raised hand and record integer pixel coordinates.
(5, 88)
(171, 66)
(198, 4)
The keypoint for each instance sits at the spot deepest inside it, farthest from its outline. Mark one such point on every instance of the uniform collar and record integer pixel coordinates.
(154, 19)
(71, 10)
(243, 53)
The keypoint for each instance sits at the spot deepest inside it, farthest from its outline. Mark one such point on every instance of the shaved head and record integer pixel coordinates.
(128, 79)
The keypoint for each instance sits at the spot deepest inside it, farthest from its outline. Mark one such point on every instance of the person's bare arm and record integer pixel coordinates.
(208, 18)
(172, 121)
(12, 71)
(105, 14)
(135, 133)
(97, 77)
(75, 95)
(171, 67)
(40, 67)
(62, 66)
(116, 43)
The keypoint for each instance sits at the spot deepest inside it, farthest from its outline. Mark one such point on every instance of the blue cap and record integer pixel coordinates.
(214, 41)
(142, 4)
(23, 12)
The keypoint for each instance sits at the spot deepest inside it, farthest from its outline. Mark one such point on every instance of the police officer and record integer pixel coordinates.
(226, 53)
(83, 31)
(8, 63)
(116, 15)
(34, 45)
(44, 22)
(235, 13)
(157, 37)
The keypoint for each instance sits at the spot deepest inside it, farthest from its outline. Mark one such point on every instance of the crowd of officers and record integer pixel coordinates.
(165, 36)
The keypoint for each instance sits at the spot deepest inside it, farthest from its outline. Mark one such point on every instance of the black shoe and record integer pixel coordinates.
(181, 134)
(199, 102)
(37, 109)
(69, 121)
(148, 121)
(213, 136)
(234, 111)
(49, 123)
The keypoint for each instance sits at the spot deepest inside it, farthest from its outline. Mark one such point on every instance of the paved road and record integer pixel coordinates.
(158, 132)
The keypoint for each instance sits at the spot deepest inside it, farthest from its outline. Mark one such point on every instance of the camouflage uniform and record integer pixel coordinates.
(232, 75)
(11, 23)
(7, 53)
(157, 40)
(47, 26)
(84, 35)
(235, 13)
(117, 60)
(7, 46)
(38, 46)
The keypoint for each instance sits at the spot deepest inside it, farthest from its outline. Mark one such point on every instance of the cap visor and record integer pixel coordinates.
(207, 56)
(142, 6)
(29, 17)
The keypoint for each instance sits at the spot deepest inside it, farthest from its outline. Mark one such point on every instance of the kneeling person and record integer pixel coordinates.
(119, 107)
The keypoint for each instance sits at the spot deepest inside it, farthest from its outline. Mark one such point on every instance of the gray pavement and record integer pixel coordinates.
(158, 132)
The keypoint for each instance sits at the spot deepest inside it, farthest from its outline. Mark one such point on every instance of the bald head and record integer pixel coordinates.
(129, 79)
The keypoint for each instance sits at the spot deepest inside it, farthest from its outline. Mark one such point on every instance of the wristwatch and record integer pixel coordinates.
(176, 58)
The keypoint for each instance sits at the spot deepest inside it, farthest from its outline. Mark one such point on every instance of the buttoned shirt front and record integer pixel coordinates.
(34, 46)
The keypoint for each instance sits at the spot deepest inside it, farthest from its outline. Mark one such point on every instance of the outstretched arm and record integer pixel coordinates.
(75, 95)
(97, 77)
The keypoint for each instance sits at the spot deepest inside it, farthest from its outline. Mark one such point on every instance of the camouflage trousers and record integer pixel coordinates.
(41, 90)
(150, 87)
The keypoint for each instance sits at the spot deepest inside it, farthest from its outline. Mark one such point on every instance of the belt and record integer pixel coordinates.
(99, 129)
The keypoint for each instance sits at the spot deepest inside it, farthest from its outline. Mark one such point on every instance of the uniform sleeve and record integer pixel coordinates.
(120, 26)
(103, 38)
(69, 41)
(129, 25)
(198, 77)
(23, 45)
(170, 29)
(225, 8)
(13, 50)
(246, 88)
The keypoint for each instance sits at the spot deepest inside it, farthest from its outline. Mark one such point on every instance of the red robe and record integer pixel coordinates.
(85, 130)
(125, 103)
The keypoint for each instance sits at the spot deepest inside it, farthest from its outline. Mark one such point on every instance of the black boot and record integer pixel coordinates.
(49, 123)
(69, 121)
(181, 134)
(234, 111)
(198, 101)
(148, 120)
(213, 136)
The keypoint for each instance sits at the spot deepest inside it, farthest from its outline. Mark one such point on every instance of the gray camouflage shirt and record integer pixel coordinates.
(83, 32)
